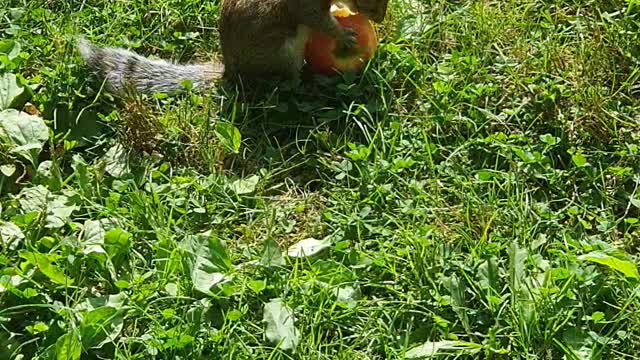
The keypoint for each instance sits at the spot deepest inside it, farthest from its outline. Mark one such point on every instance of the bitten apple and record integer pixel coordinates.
(320, 48)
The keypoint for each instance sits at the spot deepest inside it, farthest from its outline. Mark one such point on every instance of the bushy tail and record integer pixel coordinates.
(122, 69)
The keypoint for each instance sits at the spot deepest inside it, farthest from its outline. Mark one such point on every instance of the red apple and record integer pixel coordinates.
(319, 49)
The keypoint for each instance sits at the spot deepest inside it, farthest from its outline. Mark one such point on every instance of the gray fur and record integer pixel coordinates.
(258, 38)
(120, 68)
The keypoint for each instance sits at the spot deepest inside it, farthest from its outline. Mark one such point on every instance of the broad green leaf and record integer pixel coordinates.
(25, 133)
(229, 136)
(68, 347)
(626, 267)
(280, 326)
(217, 253)
(204, 277)
(46, 267)
(45, 169)
(579, 344)
(272, 255)
(59, 212)
(93, 238)
(81, 173)
(308, 247)
(10, 235)
(433, 348)
(549, 139)
(257, 285)
(598, 317)
(100, 326)
(116, 163)
(347, 296)
(485, 175)
(635, 202)
(10, 91)
(37, 328)
(116, 301)
(234, 315)
(520, 283)
(10, 48)
(171, 289)
(7, 169)
(527, 156)
(38, 199)
(93, 245)
(517, 257)
(245, 186)
(11, 282)
(34, 199)
(457, 290)
(207, 260)
(579, 160)
(488, 276)
(117, 242)
(488, 281)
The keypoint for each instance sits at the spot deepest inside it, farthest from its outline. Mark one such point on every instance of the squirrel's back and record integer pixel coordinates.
(120, 68)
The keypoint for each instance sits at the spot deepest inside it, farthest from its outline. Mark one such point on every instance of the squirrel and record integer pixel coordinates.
(258, 38)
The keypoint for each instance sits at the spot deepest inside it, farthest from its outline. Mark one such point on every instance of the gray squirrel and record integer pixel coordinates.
(258, 38)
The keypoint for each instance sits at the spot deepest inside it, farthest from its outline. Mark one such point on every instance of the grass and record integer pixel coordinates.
(472, 195)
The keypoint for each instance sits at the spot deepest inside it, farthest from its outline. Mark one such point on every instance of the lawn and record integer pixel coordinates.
(473, 194)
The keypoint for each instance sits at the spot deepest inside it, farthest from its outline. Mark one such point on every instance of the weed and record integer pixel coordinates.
(473, 194)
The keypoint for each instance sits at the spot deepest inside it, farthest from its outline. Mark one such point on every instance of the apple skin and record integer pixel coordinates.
(319, 49)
